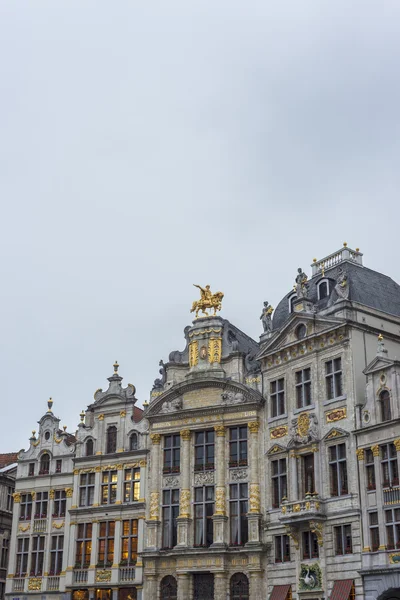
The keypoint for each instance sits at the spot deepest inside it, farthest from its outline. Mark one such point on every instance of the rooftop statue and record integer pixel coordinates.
(207, 300)
(266, 319)
(301, 287)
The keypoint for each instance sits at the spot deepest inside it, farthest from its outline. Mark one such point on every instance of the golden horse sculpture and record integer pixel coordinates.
(207, 300)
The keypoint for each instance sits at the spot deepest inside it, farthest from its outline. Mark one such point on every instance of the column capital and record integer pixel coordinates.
(220, 430)
(185, 434)
(254, 426)
(360, 453)
(397, 444)
(155, 438)
(375, 450)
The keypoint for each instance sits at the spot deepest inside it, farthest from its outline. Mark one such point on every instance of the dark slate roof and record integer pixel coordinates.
(366, 287)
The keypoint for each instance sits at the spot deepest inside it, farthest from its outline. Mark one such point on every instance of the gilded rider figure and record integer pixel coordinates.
(206, 294)
(266, 319)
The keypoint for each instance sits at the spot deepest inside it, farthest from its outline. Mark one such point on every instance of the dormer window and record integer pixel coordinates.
(384, 399)
(89, 448)
(111, 439)
(292, 300)
(44, 464)
(133, 442)
(323, 289)
(301, 331)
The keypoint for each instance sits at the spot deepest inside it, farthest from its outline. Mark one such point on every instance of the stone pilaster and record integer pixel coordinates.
(397, 446)
(150, 586)
(363, 486)
(184, 517)
(153, 510)
(254, 514)
(221, 585)
(183, 586)
(220, 518)
(117, 544)
(376, 451)
(120, 484)
(255, 585)
(293, 477)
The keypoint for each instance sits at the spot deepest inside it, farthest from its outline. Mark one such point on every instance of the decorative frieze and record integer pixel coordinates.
(238, 474)
(204, 478)
(170, 482)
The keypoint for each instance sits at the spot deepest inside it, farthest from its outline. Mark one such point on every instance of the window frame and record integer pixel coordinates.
(37, 555)
(25, 507)
(87, 482)
(394, 527)
(238, 509)
(338, 476)
(106, 544)
(202, 463)
(278, 481)
(132, 542)
(170, 513)
(309, 538)
(239, 446)
(334, 378)
(44, 465)
(277, 397)
(173, 463)
(389, 463)
(109, 487)
(340, 534)
(111, 439)
(370, 469)
(41, 505)
(132, 485)
(302, 384)
(207, 506)
(133, 441)
(291, 300)
(282, 548)
(21, 567)
(319, 285)
(385, 406)
(56, 554)
(83, 545)
(89, 441)
(374, 537)
(59, 503)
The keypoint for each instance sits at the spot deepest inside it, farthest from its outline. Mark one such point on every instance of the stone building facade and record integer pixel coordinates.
(79, 502)
(8, 470)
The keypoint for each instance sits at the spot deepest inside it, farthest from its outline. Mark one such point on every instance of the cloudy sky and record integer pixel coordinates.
(147, 146)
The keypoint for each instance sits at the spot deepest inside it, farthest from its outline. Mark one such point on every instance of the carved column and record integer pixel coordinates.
(183, 586)
(184, 496)
(153, 512)
(293, 476)
(376, 451)
(254, 514)
(220, 518)
(363, 486)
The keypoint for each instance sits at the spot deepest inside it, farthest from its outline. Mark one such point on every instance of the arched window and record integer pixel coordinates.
(323, 290)
(89, 448)
(292, 300)
(111, 439)
(239, 587)
(133, 442)
(168, 588)
(44, 464)
(386, 413)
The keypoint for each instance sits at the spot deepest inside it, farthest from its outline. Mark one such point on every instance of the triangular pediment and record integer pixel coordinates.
(334, 433)
(276, 449)
(288, 336)
(379, 363)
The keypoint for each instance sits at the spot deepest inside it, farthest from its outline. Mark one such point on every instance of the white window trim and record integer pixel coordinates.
(325, 280)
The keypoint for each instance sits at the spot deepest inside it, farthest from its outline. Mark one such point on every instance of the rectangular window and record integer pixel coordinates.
(303, 387)
(106, 544)
(4, 553)
(56, 554)
(109, 487)
(58, 465)
(392, 519)
(86, 489)
(333, 378)
(83, 546)
(22, 556)
(170, 512)
(238, 446)
(10, 499)
(204, 450)
(31, 469)
(308, 480)
(390, 471)
(310, 545)
(131, 485)
(282, 548)
(203, 512)
(129, 542)
(370, 469)
(338, 470)
(277, 395)
(25, 512)
(37, 556)
(59, 503)
(238, 509)
(172, 453)
(279, 481)
(374, 531)
(343, 542)
(41, 504)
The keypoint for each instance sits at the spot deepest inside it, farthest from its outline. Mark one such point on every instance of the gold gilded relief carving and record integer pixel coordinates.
(220, 501)
(278, 432)
(254, 498)
(254, 426)
(154, 506)
(193, 353)
(35, 584)
(360, 453)
(220, 430)
(185, 434)
(336, 415)
(214, 350)
(155, 438)
(375, 450)
(184, 503)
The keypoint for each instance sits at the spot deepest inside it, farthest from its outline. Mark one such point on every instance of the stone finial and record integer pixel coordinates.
(82, 415)
(50, 404)
(116, 367)
(64, 428)
(344, 244)
(33, 434)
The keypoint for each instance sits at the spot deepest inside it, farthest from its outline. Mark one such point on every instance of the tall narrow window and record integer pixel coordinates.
(111, 439)
(31, 469)
(41, 503)
(203, 512)
(204, 450)
(4, 553)
(392, 519)
(343, 542)
(390, 471)
(59, 503)
(44, 464)
(338, 470)
(333, 378)
(310, 545)
(238, 446)
(106, 544)
(58, 465)
(282, 548)
(22, 556)
(83, 546)
(279, 481)
(370, 469)
(277, 395)
(129, 542)
(109, 487)
(56, 554)
(374, 531)
(292, 300)
(131, 485)
(168, 588)
(323, 290)
(238, 509)
(384, 399)
(37, 556)
(25, 513)
(308, 474)
(172, 453)
(170, 511)
(86, 489)
(10, 499)
(89, 448)
(303, 387)
(133, 441)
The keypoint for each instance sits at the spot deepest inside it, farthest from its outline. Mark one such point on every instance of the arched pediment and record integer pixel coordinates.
(205, 394)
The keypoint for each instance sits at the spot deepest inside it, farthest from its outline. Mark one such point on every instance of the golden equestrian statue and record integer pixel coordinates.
(207, 300)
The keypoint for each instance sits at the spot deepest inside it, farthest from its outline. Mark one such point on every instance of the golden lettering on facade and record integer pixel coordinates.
(249, 380)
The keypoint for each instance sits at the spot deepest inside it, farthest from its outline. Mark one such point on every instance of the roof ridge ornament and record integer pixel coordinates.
(50, 404)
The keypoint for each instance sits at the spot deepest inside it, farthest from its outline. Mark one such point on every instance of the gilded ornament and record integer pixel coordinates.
(101, 417)
(397, 444)
(33, 494)
(308, 505)
(220, 430)
(154, 506)
(203, 352)
(185, 434)
(294, 534)
(97, 469)
(17, 497)
(336, 415)
(207, 300)
(35, 584)
(155, 438)
(360, 453)
(375, 450)
(333, 433)
(69, 492)
(254, 426)
(250, 380)
(193, 353)
(184, 503)
(76, 471)
(275, 449)
(56, 439)
(58, 525)
(316, 527)
(51, 494)
(296, 508)
(122, 413)
(214, 350)
(142, 463)
(254, 498)
(24, 529)
(303, 424)
(278, 432)
(284, 510)
(394, 558)
(220, 501)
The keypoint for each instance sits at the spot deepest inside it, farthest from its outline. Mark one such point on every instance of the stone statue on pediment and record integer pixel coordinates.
(170, 406)
(233, 397)
(266, 317)
(301, 284)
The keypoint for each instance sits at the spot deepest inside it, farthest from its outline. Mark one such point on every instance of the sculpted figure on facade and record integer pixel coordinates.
(159, 382)
(233, 397)
(342, 285)
(207, 300)
(266, 317)
(304, 429)
(250, 363)
(170, 406)
(301, 286)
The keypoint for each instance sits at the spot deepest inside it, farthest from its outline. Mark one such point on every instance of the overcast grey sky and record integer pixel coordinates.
(146, 146)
